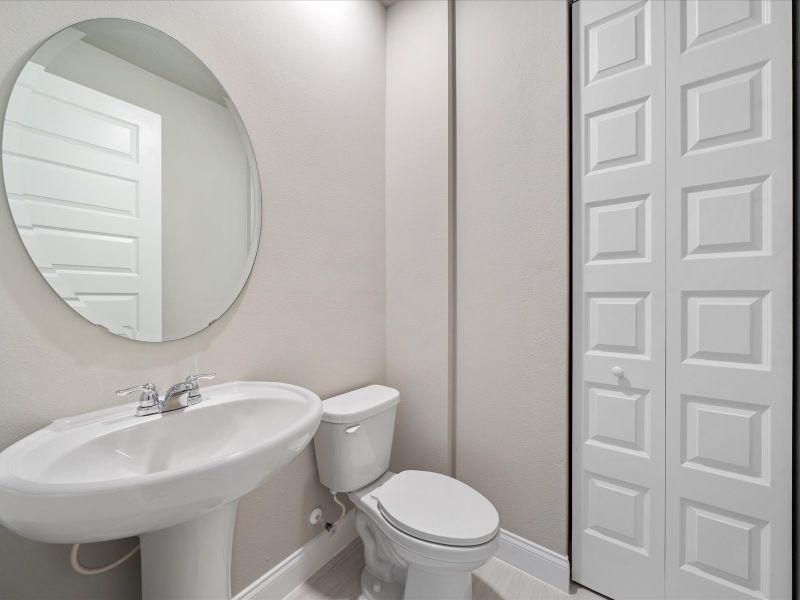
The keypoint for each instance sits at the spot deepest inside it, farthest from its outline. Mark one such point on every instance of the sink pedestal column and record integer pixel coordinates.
(190, 561)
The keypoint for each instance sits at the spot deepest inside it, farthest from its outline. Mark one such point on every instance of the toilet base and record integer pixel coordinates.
(420, 585)
(373, 588)
(444, 585)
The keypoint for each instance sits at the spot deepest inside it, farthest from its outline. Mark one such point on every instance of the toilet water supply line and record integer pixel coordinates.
(75, 561)
(79, 567)
(331, 527)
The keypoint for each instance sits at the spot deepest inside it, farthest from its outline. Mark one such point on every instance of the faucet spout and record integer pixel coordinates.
(177, 396)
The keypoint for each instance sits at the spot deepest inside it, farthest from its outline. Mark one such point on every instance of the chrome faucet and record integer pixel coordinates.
(179, 395)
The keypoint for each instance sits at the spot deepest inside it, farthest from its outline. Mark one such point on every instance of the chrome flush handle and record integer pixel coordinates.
(194, 393)
(148, 399)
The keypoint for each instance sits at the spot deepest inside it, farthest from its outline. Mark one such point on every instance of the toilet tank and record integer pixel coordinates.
(354, 441)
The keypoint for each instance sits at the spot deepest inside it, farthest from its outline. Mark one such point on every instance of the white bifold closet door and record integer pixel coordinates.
(729, 299)
(618, 304)
(682, 307)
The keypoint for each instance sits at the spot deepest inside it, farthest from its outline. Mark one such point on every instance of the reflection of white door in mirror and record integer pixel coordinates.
(83, 177)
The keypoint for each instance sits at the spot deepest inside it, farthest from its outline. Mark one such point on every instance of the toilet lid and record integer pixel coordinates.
(437, 508)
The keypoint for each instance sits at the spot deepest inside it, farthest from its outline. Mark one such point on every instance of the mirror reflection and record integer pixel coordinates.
(131, 180)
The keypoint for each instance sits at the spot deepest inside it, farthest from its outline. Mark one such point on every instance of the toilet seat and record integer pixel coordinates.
(437, 508)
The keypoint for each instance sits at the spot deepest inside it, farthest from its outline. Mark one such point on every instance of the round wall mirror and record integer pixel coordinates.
(131, 180)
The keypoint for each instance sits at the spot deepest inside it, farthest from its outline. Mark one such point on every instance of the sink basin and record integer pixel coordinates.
(109, 474)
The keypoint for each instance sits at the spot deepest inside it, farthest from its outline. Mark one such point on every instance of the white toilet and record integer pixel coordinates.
(423, 533)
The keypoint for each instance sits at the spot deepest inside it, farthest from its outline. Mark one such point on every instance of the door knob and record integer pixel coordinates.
(617, 371)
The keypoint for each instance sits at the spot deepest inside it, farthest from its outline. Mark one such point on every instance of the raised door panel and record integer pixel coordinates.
(729, 299)
(618, 344)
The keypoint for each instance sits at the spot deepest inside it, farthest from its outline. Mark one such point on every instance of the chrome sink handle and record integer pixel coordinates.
(194, 392)
(149, 403)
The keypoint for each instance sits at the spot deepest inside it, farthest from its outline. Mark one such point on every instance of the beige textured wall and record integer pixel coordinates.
(417, 241)
(512, 260)
(308, 80)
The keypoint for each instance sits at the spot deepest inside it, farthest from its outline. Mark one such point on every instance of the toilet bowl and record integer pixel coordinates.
(423, 533)
(436, 558)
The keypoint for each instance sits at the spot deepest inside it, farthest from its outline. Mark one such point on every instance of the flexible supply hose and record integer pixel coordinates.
(75, 561)
(331, 527)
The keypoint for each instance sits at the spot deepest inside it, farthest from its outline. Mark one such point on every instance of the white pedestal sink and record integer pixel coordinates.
(172, 478)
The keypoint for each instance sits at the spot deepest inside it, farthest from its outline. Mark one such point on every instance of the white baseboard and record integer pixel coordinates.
(301, 564)
(535, 560)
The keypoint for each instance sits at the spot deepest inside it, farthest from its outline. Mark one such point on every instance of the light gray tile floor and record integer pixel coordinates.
(340, 579)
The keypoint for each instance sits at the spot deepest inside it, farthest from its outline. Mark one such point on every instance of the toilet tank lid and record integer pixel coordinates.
(359, 404)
